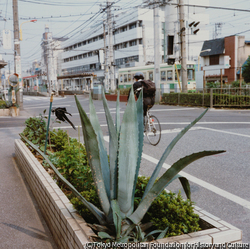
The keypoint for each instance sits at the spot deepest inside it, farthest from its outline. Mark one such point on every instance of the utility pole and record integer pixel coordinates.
(144, 44)
(183, 46)
(106, 78)
(110, 47)
(157, 54)
(17, 54)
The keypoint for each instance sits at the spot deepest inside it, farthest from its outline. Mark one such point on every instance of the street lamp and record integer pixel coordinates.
(21, 32)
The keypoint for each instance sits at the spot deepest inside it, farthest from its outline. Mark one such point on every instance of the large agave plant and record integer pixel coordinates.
(115, 176)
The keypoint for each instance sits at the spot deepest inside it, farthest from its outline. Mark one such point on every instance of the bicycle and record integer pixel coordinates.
(152, 129)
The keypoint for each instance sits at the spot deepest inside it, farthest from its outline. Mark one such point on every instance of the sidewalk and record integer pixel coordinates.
(21, 224)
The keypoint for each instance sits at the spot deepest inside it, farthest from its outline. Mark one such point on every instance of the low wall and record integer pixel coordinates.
(68, 228)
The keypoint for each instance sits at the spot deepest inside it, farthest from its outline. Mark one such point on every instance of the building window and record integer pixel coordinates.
(151, 76)
(75, 57)
(90, 40)
(92, 66)
(80, 56)
(84, 55)
(125, 78)
(75, 46)
(71, 58)
(163, 75)
(95, 38)
(79, 44)
(100, 37)
(170, 44)
(132, 25)
(190, 73)
(124, 45)
(123, 29)
(121, 78)
(90, 54)
(116, 32)
(170, 75)
(140, 41)
(129, 77)
(214, 60)
(140, 24)
(84, 43)
(133, 43)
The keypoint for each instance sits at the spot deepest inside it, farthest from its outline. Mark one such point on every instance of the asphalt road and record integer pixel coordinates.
(219, 184)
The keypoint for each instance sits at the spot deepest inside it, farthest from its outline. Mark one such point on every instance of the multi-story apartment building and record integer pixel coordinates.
(133, 44)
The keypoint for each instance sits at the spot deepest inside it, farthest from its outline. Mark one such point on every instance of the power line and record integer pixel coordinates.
(55, 3)
(212, 7)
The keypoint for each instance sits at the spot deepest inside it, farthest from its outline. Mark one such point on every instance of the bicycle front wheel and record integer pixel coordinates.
(153, 130)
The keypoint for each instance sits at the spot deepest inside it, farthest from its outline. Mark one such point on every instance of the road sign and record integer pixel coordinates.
(3, 77)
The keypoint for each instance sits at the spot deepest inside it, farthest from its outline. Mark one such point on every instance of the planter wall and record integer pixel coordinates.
(71, 231)
(12, 111)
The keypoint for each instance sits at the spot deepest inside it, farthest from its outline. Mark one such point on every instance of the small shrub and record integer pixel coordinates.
(35, 130)
(72, 163)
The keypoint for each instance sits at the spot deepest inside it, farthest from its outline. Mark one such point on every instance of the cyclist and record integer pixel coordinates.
(148, 98)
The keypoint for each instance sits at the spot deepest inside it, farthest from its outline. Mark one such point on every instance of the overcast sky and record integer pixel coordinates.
(78, 12)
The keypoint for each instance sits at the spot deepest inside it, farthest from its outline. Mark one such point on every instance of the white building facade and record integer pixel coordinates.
(133, 43)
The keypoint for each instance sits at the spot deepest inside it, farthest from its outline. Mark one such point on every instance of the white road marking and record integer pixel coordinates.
(216, 190)
(227, 132)
(200, 123)
(169, 110)
(39, 106)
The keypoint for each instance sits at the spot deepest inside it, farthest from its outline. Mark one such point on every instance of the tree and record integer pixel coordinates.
(246, 70)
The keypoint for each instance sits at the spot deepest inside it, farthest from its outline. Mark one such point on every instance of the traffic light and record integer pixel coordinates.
(170, 61)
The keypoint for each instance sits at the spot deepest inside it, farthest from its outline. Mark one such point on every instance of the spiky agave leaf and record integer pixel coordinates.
(139, 107)
(127, 156)
(167, 151)
(164, 180)
(117, 123)
(92, 149)
(103, 153)
(113, 148)
(116, 218)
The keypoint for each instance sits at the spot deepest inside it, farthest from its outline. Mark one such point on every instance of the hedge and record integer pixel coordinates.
(200, 99)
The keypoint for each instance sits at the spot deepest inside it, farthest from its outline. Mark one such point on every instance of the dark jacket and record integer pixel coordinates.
(148, 101)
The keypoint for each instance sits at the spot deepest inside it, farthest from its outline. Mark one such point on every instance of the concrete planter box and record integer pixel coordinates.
(69, 229)
(12, 111)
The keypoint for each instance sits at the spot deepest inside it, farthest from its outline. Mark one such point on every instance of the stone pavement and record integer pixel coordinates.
(21, 223)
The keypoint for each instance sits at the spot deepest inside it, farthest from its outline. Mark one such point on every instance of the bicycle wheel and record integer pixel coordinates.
(153, 130)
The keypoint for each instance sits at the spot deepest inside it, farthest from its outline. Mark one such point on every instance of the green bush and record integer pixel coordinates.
(35, 130)
(59, 139)
(193, 99)
(72, 163)
(2, 104)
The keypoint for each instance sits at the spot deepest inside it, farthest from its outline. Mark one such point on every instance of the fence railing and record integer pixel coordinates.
(214, 97)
